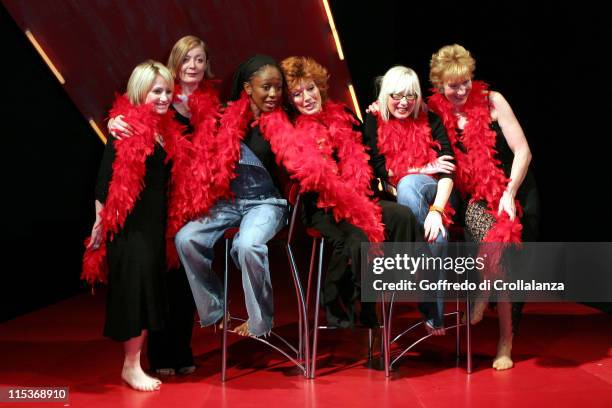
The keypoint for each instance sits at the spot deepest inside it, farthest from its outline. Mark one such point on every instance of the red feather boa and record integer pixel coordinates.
(478, 173)
(128, 174)
(233, 126)
(203, 105)
(405, 144)
(202, 102)
(408, 144)
(306, 152)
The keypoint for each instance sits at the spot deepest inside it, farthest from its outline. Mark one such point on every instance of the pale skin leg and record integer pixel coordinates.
(477, 312)
(503, 360)
(132, 372)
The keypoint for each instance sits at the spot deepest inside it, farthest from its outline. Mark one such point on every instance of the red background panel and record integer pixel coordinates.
(96, 44)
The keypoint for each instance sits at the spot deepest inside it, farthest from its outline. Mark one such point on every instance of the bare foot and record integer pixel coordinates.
(477, 312)
(229, 319)
(139, 380)
(503, 360)
(243, 329)
(441, 331)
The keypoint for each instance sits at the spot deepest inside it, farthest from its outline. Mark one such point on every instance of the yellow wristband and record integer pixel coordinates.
(436, 209)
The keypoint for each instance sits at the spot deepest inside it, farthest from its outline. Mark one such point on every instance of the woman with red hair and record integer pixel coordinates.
(324, 151)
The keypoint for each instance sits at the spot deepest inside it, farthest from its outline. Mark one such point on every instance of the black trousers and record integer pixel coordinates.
(343, 277)
(171, 347)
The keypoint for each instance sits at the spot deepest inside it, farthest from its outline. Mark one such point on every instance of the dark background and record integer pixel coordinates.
(550, 63)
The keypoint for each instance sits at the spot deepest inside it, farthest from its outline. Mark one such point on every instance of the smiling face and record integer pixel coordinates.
(159, 95)
(401, 104)
(193, 66)
(306, 97)
(457, 92)
(265, 89)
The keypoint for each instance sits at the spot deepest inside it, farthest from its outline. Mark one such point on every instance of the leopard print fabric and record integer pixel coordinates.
(478, 221)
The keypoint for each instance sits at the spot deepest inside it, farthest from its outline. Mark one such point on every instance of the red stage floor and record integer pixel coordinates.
(563, 358)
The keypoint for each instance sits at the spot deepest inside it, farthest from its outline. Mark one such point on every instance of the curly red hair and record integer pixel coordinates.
(297, 69)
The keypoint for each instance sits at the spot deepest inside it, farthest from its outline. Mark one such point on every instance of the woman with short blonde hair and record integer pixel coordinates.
(410, 150)
(493, 176)
(195, 105)
(128, 239)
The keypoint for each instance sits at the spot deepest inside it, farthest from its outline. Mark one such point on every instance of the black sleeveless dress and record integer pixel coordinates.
(136, 256)
(527, 195)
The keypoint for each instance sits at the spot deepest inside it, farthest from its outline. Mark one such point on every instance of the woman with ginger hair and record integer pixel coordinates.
(492, 157)
(326, 155)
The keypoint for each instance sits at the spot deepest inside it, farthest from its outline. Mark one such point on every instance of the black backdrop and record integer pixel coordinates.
(547, 59)
(549, 63)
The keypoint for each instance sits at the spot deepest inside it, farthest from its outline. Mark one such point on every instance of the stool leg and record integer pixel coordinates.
(296, 286)
(390, 318)
(317, 307)
(313, 254)
(385, 335)
(304, 336)
(225, 286)
(370, 341)
(457, 331)
(468, 335)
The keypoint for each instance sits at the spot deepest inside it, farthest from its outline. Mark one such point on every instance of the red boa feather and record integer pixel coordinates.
(478, 173)
(193, 171)
(306, 152)
(233, 126)
(406, 144)
(128, 173)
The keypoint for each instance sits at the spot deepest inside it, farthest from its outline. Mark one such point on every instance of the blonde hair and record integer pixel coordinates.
(142, 79)
(451, 63)
(398, 79)
(180, 50)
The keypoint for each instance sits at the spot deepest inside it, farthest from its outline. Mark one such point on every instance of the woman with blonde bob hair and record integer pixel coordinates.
(128, 239)
(194, 105)
(492, 156)
(410, 150)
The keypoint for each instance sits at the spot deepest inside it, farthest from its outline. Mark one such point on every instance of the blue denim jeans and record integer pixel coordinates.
(418, 191)
(258, 220)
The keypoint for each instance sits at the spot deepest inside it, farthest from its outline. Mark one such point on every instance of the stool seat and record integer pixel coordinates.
(230, 233)
(313, 233)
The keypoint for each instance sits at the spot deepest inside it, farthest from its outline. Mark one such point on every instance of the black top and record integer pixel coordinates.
(377, 160)
(183, 120)
(505, 155)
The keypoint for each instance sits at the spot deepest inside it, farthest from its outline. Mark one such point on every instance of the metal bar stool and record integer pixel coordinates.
(318, 238)
(388, 340)
(298, 356)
